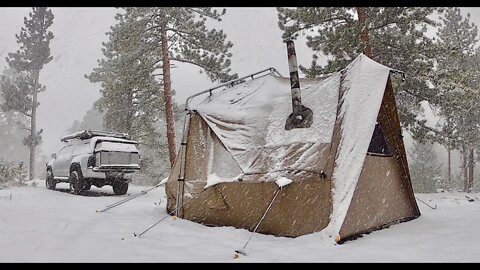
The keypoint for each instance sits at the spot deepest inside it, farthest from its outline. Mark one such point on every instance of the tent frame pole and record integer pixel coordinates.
(181, 175)
(270, 70)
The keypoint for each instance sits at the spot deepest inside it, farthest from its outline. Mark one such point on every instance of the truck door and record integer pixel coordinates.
(61, 165)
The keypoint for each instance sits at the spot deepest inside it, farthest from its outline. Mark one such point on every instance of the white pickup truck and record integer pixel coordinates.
(91, 157)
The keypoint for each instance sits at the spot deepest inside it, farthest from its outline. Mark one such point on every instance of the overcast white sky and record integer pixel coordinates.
(77, 46)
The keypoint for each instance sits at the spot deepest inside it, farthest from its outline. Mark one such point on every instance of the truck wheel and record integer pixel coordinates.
(77, 182)
(50, 181)
(119, 188)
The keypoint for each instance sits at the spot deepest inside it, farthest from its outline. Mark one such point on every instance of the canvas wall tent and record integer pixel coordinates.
(349, 169)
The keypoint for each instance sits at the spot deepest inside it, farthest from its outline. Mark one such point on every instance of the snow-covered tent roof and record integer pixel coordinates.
(249, 121)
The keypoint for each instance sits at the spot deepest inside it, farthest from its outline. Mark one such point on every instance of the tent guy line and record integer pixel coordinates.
(143, 192)
(165, 217)
(281, 182)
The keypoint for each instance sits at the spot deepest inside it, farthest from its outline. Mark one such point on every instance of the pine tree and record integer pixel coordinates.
(130, 101)
(11, 133)
(184, 37)
(136, 67)
(93, 120)
(394, 36)
(425, 170)
(12, 130)
(457, 76)
(21, 86)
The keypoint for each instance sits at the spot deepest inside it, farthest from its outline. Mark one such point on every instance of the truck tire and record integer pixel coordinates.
(77, 183)
(50, 182)
(120, 188)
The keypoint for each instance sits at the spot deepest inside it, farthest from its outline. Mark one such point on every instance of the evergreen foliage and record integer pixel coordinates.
(425, 170)
(20, 84)
(131, 71)
(397, 38)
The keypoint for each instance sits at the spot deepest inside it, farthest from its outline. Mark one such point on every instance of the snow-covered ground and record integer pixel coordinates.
(40, 225)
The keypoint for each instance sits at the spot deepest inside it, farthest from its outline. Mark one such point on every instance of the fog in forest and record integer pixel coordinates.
(77, 46)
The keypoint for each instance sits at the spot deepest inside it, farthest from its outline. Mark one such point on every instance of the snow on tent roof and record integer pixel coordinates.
(249, 119)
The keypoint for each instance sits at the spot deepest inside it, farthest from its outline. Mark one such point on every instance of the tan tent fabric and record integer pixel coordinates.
(236, 147)
(383, 195)
(237, 204)
(296, 211)
(380, 198)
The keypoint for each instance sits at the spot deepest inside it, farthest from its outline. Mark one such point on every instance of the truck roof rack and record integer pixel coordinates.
(87, 134)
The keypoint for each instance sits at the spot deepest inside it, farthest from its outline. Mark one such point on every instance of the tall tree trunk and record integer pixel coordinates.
(130, 116)
(362, 19)
(33, 130)
(465, 169)
(168, 99)
(471, 164)
(449, 178)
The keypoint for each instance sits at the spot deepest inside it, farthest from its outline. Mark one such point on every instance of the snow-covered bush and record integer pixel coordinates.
(11, 174)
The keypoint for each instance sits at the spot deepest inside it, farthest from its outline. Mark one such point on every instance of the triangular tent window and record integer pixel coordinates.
(378, 144)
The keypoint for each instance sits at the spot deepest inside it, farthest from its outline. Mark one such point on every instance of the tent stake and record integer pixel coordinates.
(427, 204)
(168, 214)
